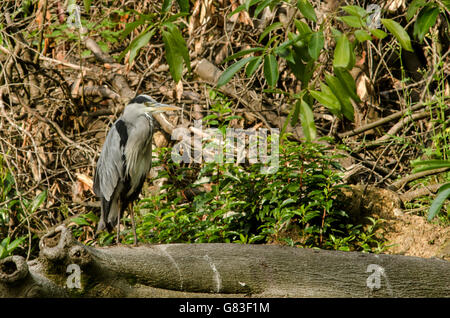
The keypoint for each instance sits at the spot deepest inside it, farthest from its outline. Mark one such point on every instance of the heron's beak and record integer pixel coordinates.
(159, 108)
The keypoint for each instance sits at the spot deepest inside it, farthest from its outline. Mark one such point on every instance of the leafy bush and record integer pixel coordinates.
(444, 190)
(7, 247)
(301, 51)
(177, 52)
(17, 208)
(242, 205)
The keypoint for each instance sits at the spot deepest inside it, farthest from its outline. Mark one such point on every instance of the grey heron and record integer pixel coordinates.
(125, 160)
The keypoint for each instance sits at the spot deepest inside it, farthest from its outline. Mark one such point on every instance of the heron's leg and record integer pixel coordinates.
(118, 228)
(133, 224)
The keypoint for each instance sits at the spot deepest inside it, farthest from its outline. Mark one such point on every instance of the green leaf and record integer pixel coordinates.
(87, 5)
(286, 202)
(307, 120)
(438, 202)
(302, 71)
(211, 116)
(38, 200)
(302, 27)
(271, 40)
(295, 113)
(379, 34)
(91, 216)
(4, 247)
(426, 19)
(226, 76)
(288, 120)
(245, 6)
(261, 7)
(348, 82)
(287, 54)
(176, 50)
(5, 242)
(184, 5)
(307, 10)
(252, 66)
(103, 46)
(270, 28)
(176, 16)
(242, 53)
(180, 43)
(281, 49)
(356, 11)
(399, 32)
(315, 44)
(425, 165)
(131, 26)
(352, 21)
(81, 221)
(413, 7)
(336, 33)
(362, 36)
(327, 99)
(271, 70)
(14, 244)
(138, 43)
(340, 92)
(134, 44)
(342, 52)
(167, 4)
(173, 56)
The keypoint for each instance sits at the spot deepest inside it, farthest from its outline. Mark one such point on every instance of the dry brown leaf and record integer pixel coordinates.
(86, 183)
(362, 87)
(60, 56)
(394, 5)
(54, 189)
(166, 92)
(221, 55)
(179, 90)
(203, 10)
(244, 18)
(40, 15)
(76, 86)
(34, 167)
(198, 46)
(61, 14)
(160, 139)
(234, 5)
(83, 183)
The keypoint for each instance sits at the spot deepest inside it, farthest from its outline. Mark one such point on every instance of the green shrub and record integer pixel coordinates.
(244, 206)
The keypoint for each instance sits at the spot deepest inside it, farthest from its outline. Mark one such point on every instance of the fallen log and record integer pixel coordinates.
(66, 268)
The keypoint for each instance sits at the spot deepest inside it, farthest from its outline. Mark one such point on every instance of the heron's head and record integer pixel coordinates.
(148, 105)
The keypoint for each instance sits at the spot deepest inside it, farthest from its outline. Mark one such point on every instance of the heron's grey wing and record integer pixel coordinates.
(138, 151)
(110, 166)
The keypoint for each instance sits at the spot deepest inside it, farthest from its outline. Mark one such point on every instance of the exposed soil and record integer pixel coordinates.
(406, 234)
(413, 235)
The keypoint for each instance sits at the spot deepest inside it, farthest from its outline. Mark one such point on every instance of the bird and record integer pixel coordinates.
(125, 160)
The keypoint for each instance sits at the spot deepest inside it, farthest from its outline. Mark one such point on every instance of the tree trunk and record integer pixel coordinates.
(66, 268)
